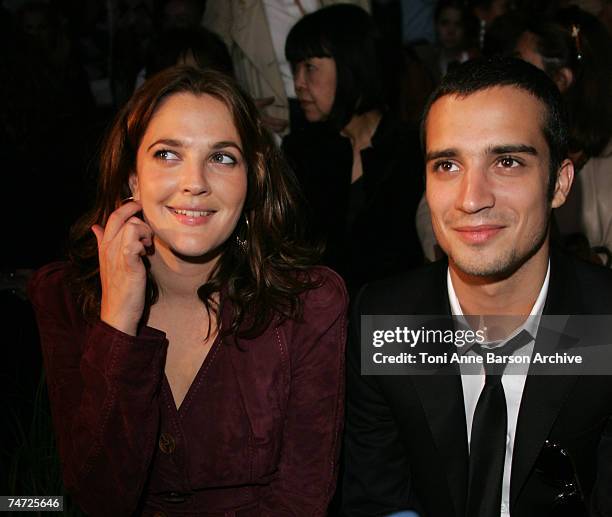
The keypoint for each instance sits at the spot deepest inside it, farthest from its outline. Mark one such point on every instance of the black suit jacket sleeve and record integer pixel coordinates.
(377, 476)
(601, 499)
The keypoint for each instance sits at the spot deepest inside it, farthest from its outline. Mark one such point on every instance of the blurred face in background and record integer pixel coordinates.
(526, 49)
(315, 86)
(450, 29)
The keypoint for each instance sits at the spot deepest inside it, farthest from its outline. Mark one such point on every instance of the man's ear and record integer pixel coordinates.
(565, 178)
(133, 183)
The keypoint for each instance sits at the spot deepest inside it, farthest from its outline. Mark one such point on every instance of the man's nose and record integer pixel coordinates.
(476, 192)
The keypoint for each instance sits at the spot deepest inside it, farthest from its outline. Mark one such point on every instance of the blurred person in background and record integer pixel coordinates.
(454, 42)
(574, 50)
(359, 167)
(255, 32)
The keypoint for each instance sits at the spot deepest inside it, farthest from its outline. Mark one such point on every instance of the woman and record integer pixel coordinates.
(194, 358)
(452, 23)
(360, 169)
(574, 50)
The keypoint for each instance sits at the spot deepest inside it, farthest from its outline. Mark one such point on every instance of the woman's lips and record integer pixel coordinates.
(191, 217)
(478, 234)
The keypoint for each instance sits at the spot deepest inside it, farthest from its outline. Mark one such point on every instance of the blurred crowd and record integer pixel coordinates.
(69, 66)
(342, 88)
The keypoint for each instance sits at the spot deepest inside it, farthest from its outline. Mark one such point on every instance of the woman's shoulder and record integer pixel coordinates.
(48, 289)
(329, 291)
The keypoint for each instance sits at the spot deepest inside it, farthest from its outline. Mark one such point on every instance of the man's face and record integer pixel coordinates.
(487, 179)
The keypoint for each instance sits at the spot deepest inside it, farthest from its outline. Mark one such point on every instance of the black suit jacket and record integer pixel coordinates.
(406, 438)
(376, 238)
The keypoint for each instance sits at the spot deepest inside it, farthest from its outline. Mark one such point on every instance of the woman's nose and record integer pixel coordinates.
(194, 179)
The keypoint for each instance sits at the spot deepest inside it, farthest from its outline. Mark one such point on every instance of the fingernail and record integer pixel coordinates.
(127, 200)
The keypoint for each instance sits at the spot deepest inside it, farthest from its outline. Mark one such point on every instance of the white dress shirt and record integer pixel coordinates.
(513, 381)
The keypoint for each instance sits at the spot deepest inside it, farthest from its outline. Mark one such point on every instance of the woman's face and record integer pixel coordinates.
(450, 28)
(191, 176)
(315, 87)
(526, 49)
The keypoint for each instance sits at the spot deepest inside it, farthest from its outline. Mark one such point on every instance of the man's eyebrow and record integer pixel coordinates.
(442, 153)
(512, 148)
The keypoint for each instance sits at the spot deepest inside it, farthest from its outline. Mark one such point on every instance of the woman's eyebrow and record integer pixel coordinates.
(226, 143)
(167, 141)
(171, 142)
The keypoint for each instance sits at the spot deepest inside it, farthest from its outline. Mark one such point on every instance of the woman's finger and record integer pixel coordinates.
(135, 229)
(98, 231)
(119, 217)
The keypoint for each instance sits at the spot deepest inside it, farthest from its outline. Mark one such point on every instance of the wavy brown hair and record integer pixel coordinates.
(260, 281)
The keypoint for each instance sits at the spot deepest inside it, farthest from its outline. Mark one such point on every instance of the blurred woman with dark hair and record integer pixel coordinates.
(455, 41)
(574, 50)
(194, 357)
(360, 169)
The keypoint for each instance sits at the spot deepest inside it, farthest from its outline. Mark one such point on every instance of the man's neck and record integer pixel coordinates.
(512, 295)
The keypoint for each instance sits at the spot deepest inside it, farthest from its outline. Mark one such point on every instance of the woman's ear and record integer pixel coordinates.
(133, 183)
(564, 79)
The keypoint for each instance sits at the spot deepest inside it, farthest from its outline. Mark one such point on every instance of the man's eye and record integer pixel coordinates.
(223, 158)
(165, 154)
(507, 162)
(445, 166)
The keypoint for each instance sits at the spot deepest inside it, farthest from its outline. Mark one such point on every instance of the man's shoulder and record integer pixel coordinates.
(418, 291)
(585, 288)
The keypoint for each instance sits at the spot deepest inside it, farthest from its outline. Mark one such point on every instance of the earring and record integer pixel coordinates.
(242, 243)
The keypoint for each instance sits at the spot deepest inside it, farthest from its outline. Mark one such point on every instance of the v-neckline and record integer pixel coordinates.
(200, 374)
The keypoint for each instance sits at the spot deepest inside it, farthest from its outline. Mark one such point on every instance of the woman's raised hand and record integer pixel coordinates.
(121, 246)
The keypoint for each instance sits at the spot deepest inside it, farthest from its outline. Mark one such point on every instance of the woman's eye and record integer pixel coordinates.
(166, 155)
(445, 166)
(224, 159)
(507, 162)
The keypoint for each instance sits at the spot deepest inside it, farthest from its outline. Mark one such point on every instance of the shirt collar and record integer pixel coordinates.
(531, 324)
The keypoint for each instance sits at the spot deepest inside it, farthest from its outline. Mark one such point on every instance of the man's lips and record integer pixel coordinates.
(479, 233)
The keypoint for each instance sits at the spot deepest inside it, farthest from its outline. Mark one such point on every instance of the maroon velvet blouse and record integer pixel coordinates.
(258, 432)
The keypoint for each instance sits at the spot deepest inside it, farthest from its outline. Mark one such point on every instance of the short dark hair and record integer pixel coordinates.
(207, 48)
(485, 73)
(349, 35)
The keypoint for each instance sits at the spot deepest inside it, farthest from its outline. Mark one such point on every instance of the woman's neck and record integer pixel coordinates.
(177, 278)
(361, 129)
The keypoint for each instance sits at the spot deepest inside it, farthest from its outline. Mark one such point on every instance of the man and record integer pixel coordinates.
(495, 144)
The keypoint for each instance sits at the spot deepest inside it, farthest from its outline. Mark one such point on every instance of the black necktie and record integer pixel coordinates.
(488, 438)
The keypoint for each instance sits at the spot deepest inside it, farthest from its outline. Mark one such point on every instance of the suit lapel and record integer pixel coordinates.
(544, 395)
(442, 399)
